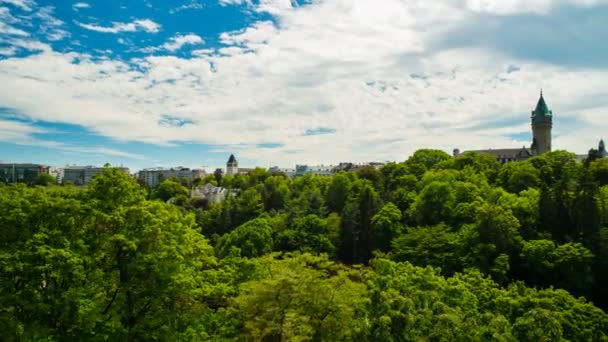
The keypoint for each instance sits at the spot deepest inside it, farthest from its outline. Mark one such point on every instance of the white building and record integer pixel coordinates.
(213, 194)
(153, 177)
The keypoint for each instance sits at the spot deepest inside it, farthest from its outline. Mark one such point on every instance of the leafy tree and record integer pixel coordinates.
(253, 238)
(428, 158)
(386, 225)
(436, 246)
(45, 179)
(362, 204)
(310, 234)
(338, 190)
(170, 188)
(434, 204)
(599, 171)
(516, 177)
(302, 298)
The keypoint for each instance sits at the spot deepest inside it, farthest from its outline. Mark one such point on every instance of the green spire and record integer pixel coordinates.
(541, 107)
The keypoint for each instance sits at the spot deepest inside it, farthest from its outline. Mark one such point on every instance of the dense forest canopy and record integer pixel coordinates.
(436, 248)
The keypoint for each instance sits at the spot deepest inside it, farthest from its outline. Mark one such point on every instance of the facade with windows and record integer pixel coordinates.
(82, 175)
(153, 177)
(20, 173)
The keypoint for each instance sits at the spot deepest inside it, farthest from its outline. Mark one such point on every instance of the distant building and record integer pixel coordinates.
(153, 177)
(288, 172)
(233, 169)
(83, 175)
(321, 170)
(347, 166)
(20, 173)
(542, 123)
(232, 166)
(601, 149)
(56, 172)
(213, 194)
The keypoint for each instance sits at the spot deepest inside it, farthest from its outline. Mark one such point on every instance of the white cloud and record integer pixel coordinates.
(177, 42)
(507, 7)
(234, 2)
(80, 5)
(7, 51)
(25, 5)
(193, 5)
(371, 72)
(11, 31)
(146, 25)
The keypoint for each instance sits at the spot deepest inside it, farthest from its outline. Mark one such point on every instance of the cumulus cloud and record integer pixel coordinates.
(324, 82)
(177, 42)
(145, 25)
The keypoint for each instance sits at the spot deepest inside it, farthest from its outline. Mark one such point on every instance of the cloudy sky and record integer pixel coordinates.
(278, 82)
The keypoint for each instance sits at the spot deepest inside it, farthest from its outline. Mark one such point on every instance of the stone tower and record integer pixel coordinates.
(542, 122)
(601, 149)
(232, 166)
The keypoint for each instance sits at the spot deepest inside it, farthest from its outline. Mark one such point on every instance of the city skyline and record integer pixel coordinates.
(278, 82)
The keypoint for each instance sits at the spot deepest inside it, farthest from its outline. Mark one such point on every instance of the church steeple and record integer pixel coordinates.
(542, 109)
(542, 122)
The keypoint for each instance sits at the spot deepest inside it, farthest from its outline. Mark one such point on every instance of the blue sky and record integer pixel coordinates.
(278, 82)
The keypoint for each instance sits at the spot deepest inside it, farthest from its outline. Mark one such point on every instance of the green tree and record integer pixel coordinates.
(338, 190)
(519, 176)
(362, 204)
(386, 225)
(310, 234)
(170, 188)
(45, 179)
(436, 246)
(253, 238)
(302, 298)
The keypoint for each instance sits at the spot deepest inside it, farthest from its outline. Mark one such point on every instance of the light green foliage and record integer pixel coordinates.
(302, 298)
(435, 204)
(170, 188)
(44, 179)
(426, 159)
(516, 177)
(496, 233)
(102, 264)
(253, 238)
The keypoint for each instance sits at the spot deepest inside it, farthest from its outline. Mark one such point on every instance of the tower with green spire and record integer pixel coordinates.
(542, 122)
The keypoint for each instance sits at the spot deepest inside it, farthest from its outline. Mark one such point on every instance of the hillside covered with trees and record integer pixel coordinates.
(435, 248)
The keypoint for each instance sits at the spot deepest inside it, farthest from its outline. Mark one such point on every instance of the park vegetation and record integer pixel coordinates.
(436, 248)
